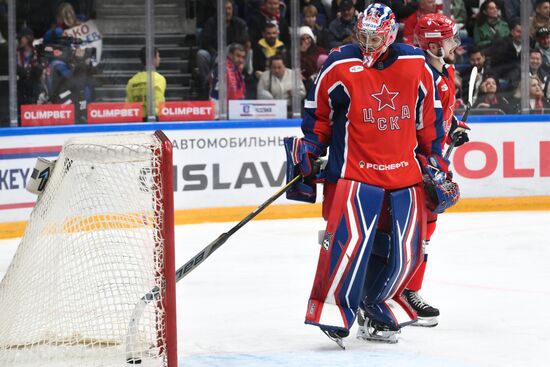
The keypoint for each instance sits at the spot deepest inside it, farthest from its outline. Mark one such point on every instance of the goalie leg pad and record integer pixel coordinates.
(387, 276)
(343, 259)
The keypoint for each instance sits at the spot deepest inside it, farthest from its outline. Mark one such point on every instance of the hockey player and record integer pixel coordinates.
(437, 35)
(372, 105)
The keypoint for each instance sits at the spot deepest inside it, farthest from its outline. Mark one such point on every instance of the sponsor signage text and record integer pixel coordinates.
(47, 114)
(100, 113)
(186, 111)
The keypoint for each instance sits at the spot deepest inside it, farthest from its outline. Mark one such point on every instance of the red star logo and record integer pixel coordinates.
(385, 98)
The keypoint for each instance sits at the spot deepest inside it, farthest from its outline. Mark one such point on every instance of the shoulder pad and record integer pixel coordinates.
(345, 52)
(349, 51)
(404, 49)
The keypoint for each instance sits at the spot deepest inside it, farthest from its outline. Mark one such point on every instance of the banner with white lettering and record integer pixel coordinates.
(89, 37)
(257, 109)
(47, 114)
(224, 167)
(102, 113)
(504, 160)
(212, 167)
(186, 111)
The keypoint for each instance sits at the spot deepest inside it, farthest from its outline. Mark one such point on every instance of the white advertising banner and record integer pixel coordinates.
(224, 167)
(212, 167)
(504, 160)
(257, 109)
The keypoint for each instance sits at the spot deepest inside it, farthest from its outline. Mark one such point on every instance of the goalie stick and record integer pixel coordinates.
(187, 268)
(471, 87)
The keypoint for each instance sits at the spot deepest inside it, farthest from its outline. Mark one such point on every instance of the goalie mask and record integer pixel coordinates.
(439, 29)
(375, 31)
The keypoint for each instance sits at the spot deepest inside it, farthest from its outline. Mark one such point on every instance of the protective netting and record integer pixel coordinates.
(92, 248)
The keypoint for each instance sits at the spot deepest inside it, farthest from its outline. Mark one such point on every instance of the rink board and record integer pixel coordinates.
(233, 166)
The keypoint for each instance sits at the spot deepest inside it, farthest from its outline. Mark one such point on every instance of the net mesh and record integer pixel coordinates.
(92, 248)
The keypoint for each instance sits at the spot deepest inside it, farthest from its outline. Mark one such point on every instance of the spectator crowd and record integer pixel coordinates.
(258, 63)
(490, 32)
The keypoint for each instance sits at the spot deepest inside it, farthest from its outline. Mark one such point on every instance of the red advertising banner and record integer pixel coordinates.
(186, 111)
(47, 114)
(106, 113)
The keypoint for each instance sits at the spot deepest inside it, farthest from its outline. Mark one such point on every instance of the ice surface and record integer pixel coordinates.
(488, 273)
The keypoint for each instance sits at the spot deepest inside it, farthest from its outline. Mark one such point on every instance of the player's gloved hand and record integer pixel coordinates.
(458, 132)
(441, 191)
(301, 156)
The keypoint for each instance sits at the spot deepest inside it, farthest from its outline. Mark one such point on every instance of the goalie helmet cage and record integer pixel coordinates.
(100, 237)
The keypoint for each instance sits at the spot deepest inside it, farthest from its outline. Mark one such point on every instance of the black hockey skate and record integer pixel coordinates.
(374, 331)
(427, 315)
(337, 336)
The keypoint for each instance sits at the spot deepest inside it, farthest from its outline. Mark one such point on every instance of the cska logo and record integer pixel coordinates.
(385, 98)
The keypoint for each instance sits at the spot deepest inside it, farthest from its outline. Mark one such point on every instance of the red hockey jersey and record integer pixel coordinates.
(373, 120)
(446, 89)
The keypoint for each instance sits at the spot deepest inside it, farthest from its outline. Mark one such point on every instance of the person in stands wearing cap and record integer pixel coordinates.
(309, 54)
(543, 44)
(489, 25)
(541, 19)
(341, 30)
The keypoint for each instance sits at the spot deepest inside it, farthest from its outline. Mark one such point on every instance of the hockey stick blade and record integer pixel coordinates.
(195, 261)
(471, 88)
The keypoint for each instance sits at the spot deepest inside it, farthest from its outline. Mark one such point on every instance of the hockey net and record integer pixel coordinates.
(100, 237)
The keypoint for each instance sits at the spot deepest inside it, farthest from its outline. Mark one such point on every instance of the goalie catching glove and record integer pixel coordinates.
(458, 132)
(301, 159)
(441, 191)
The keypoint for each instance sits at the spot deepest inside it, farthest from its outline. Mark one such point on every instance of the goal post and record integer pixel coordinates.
(100, 236)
